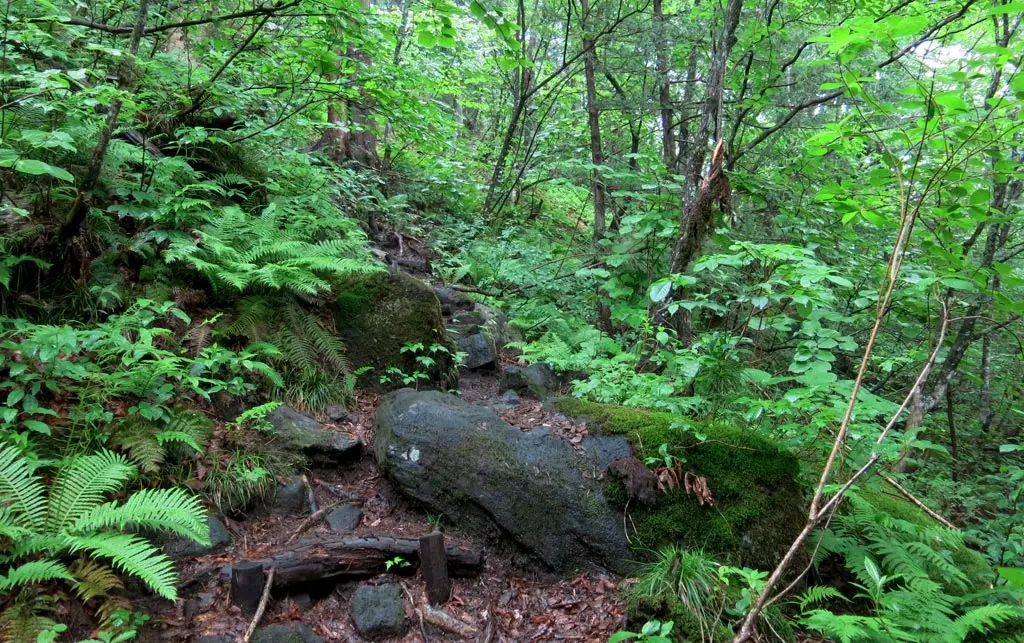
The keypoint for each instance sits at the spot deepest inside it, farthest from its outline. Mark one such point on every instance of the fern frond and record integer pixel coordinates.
(137, 436)
(132, 555)
(171, 510)
(983, 618)
(36, 571)
(23, 493)
(93, 580)
(818, 594)
(82, 484)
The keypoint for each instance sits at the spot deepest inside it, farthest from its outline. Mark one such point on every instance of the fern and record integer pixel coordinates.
(133, 555)
(36, 571)
(93, 580)
(272, 251)
(81, 486)
(71, 516)
(312, 357)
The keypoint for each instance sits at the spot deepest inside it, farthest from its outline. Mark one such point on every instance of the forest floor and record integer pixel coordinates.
(520, 601)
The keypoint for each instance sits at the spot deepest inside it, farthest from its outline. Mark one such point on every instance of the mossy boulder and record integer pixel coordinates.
(378, 314)
(481, 473)
(759, 508)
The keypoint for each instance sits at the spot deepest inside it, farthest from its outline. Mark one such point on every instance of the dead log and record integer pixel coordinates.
(317, 559)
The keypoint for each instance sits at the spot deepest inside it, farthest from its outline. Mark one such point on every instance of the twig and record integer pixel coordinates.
(311, 521)
(261, 608)
(488, 634)
(925, 508)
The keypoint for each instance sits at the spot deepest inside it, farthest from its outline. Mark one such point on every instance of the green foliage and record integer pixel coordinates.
(311, 357)
(44, 524)
(916, 578)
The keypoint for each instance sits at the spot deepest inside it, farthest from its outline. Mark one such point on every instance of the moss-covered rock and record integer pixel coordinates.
(379, 313)
(759, 508)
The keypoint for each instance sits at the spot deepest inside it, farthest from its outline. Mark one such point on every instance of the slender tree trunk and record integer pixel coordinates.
(125, 78)
(664, 86)
(700, 194)
(954, 450)
(596, 154)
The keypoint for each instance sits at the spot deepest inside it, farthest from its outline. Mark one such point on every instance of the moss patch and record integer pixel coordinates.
(758, 509)
(378, 313)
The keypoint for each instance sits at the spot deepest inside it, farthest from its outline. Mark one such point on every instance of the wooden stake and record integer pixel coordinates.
(262, 607)
(434, 565)
(246, 585)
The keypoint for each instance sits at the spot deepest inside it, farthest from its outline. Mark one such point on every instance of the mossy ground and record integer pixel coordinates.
(758, 507)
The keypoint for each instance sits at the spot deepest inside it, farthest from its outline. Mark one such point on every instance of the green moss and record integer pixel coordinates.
(379, 313)
(758, 508)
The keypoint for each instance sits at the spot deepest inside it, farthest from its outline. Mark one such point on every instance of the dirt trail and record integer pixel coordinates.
(523, 603)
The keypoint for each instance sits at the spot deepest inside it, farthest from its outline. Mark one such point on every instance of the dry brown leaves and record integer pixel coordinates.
(676, 476)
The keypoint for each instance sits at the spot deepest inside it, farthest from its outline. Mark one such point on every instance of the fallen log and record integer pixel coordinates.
(318, 558)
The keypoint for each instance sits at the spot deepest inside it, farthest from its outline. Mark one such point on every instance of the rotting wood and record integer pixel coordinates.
(316, 558)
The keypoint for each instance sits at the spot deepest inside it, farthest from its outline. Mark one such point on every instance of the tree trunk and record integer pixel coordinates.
(596, 155)
(83, 201)
(700, 195)
(664, 87)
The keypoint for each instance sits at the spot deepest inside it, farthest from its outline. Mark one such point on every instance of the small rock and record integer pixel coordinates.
(378, 611)
(344, 518)
(305, 601)
(340, 414)
(480, 351)
(301, 433)
(510, 397)
(180, 547)
(291, 632)
(290, 497)
(536, 381)
(452, 300)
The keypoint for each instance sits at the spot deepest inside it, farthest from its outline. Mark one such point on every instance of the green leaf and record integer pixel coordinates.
(36, 168)
(951, 100)
(37, 426)
(477, 10)
(660, 290)
(426, 39)
(1013, 575)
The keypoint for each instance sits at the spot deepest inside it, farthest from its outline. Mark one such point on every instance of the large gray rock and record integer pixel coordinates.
(480, 351)
(291, 632)
(180, 547)
(378, 611)
(535, 381)
(465, 462)
(378, 314)
(452, 300)
(299, 432)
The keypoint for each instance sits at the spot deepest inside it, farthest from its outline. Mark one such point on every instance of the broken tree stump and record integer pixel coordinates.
(434, 566)
(247, 585)
(317, 558)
